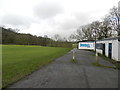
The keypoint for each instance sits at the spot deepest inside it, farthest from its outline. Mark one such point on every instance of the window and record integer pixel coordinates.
(99, 46)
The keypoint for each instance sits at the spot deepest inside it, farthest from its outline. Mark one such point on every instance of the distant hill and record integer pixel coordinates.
(11, 36)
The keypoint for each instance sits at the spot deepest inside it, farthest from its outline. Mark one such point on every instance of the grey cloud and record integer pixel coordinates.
(16, 20)
(73, 23)
(47, 9)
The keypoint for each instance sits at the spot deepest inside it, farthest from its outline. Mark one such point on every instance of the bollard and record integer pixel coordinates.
(73, 55)
(73, 58)
(96, 57)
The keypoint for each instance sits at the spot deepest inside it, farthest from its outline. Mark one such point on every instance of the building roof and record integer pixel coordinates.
(86, 41)
(114, 38)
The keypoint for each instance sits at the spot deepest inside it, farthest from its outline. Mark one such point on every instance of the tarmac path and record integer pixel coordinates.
(63, 73)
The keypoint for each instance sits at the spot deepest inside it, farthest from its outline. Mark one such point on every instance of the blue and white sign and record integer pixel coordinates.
(86, 45)
(114, 18)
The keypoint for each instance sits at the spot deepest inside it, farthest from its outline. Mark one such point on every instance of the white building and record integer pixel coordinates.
(86, 44)
(110, 47)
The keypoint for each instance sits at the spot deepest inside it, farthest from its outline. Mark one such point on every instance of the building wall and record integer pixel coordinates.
(114, 48)
(118, 50)
(106, 48)
(99, 51)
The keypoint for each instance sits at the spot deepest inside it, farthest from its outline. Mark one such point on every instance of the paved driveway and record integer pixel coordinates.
(63, 73)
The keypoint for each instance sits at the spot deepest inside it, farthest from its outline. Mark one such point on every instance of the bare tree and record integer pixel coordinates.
(87, 32)
(83, 33)
(72, 37)
(14, 30)
(115, 19)
(64, 39)
(96, 31)
(99, 29)
(79, 34)
(106, 28)
(57, 37)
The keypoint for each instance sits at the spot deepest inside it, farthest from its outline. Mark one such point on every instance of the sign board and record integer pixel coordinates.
(85, 45)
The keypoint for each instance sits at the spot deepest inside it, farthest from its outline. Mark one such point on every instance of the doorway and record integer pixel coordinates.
(103, 49)
(110, 50)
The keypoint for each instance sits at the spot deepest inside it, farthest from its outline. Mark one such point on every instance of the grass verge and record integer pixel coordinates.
(100, 65)
(117, 64)
(19, 60)
(73, 61)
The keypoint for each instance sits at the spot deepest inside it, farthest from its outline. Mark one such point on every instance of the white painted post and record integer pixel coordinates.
(73, 55)
(96, 57)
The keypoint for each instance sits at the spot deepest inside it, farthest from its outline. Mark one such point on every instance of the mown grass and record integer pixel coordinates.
(19, 60)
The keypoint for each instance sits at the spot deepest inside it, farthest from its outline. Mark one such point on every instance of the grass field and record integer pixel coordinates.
(19, 60)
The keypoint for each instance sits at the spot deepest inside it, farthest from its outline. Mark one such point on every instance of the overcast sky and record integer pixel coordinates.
(49, 17)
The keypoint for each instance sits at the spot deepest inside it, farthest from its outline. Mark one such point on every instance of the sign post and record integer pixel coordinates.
(73, 57)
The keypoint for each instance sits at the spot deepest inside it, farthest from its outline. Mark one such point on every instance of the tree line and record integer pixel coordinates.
(108, 27)
(11, 36)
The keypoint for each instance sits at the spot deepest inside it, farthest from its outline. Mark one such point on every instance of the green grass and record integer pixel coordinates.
(117, 64)
(0, 66)
(74, 45)
(73, 61)
(19, 60)
(100, 65)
